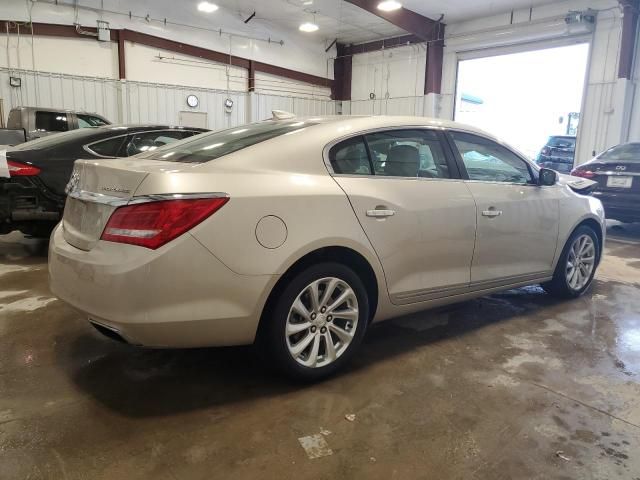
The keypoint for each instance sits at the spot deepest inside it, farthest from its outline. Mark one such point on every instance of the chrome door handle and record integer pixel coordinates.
(380, 213)
(491, 213)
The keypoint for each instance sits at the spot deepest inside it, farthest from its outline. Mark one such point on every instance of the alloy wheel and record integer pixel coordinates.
(580, 262)
(322, 322)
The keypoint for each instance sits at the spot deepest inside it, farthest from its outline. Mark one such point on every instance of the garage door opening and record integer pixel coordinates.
(525, 98)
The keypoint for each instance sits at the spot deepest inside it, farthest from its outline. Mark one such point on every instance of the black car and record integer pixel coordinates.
(558, 153)
(32, 198)
(617, 172)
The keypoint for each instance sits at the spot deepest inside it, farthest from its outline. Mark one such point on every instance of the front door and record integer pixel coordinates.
(419, 216)
(518, 220)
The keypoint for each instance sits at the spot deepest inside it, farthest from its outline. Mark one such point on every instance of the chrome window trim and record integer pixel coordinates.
(362, 133)
(113, 201)
(87, 147)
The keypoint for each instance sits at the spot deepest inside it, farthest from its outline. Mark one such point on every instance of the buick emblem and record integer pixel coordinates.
(72, 186)
(621, 167)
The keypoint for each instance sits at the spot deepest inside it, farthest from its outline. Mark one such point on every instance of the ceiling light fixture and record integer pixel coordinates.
(207, 7)
(389, 5)
(308, 27)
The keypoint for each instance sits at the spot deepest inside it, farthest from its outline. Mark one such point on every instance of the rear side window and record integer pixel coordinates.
(408, 153)
(107, 148)
(14, 120)
(150, 141)
(629, 152)
(51, 122)
(350, 157)
(88, 121)
(206, 147)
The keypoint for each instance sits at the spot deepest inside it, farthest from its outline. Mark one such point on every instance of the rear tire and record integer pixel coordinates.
(577, 264)
(317, 323)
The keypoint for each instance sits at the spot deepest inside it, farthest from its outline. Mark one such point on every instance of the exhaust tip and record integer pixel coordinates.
(109, 332)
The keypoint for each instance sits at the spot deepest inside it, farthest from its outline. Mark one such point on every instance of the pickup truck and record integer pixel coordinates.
(34, 122)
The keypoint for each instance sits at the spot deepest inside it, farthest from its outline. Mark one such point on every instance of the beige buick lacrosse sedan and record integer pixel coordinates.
(297, 234)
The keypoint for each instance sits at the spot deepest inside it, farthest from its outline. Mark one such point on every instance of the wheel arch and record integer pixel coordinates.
(340, 254)
(592, 223)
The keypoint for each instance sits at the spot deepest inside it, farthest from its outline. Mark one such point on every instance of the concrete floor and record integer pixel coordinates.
(515, 385)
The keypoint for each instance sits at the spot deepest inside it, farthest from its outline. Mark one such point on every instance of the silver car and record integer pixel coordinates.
(297, 234)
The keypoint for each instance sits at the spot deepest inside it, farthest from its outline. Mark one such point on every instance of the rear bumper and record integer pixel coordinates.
(620, 206)
(177, 296)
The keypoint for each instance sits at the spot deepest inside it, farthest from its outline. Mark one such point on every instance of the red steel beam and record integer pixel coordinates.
(628, 40)
(408, 20)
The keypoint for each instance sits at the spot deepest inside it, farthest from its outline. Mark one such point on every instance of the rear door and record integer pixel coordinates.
(518, 221)
(418, 214)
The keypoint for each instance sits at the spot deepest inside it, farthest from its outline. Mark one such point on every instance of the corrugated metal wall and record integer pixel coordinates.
(262, 105)
(60, 91)
(414, 106)
(157, 103)
(141, 102)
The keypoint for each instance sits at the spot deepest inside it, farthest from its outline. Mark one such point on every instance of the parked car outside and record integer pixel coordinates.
(558, 153)
(32, 199)
(297, 234)
(617, 172)
(39, 122)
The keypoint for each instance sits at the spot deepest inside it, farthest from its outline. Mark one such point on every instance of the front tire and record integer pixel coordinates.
(318, 322)
(577, 264)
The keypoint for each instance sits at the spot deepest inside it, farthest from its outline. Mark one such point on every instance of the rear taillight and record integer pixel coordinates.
(578, 172)
(153, 224)
(17, 169)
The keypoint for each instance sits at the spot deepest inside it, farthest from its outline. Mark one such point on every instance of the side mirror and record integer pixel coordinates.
(547, 177)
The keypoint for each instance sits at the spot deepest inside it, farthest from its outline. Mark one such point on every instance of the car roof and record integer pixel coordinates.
(356, 123)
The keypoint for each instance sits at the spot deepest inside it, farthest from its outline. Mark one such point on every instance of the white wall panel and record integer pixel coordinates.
(395, 72)
(72, 56)
(143, 64)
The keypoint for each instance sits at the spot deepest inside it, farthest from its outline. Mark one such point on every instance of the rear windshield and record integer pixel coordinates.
(206, 147)
(562, 142)
(629, 152)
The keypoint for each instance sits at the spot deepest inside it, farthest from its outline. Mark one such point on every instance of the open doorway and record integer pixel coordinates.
(529, 99)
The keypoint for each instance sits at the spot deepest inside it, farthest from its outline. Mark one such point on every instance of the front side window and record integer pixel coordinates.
(51, 122)
(88, 121)
(350, 157)
(486, 160)
(150, 141)
(408, 153)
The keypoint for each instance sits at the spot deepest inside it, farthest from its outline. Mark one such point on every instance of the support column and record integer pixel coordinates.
(342, 68)
(628, 39)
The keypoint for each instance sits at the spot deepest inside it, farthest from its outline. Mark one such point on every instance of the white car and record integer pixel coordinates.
(299, 233)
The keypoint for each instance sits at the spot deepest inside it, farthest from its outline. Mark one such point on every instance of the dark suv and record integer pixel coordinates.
(558, 153)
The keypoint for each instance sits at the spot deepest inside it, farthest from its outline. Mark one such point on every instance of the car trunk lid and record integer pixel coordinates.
(95, 190)
(617, 177)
